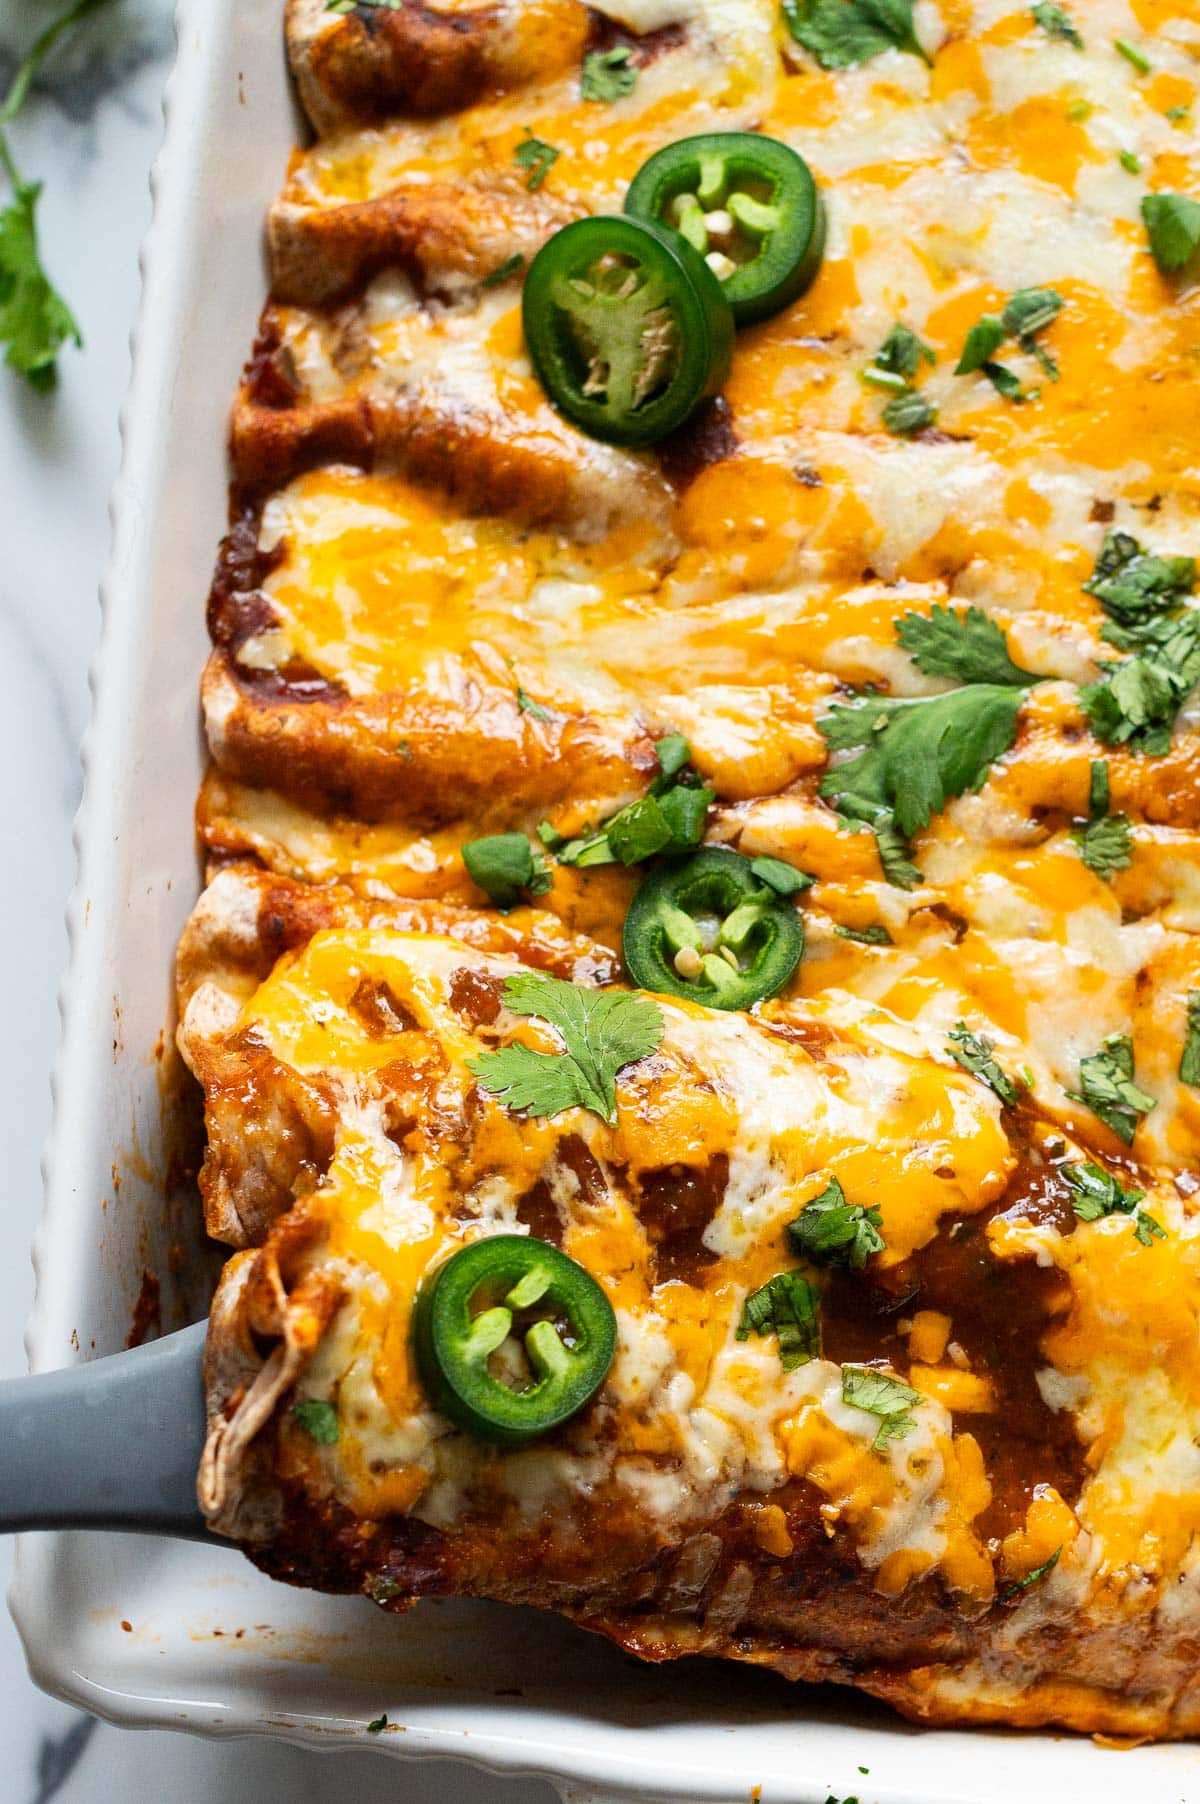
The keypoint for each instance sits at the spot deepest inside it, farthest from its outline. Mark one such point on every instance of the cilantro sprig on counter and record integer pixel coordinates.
(35, 320)
(602, 1031)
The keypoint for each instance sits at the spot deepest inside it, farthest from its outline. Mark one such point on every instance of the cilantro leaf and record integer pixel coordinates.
(318, 1419)
(381, 1722)
(1029, 311)
(505, 866)
(35, 321)
(917, 753)
(1136, 702)
(608, 74)
(1008, 1592)
(840, 33)
(1135, 586)
(901, 352)
(537, 158)
(1173, 228)
(671, 817)
(831, 1231)
(602, 1031)
(974, 1053)
(1189, 1061)
(866, 936)
(1107, 1088)
(909, 413)
(883, 1396)
(968, 646)
(1105, 845)
(783, 878)
(1096, 1193)
(985, 337)
(349, 6)
(1098, 788)
(788, 1306)
(1054, 21)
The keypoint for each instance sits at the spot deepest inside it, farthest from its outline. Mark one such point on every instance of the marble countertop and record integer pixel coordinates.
(90, 130)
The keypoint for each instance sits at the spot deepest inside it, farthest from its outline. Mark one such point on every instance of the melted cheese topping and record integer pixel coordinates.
(731, 607)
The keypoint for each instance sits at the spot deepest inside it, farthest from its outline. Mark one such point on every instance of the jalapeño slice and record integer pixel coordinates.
(745, 203)
(705, 928)
(627, 327)
(512, 1337)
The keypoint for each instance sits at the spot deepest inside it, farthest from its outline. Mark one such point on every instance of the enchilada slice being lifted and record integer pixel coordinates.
(832, 1300)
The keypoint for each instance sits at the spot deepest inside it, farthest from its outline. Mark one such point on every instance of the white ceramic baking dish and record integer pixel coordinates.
(187, 1636)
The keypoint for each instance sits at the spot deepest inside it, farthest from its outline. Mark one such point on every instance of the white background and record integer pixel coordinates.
(90, 131)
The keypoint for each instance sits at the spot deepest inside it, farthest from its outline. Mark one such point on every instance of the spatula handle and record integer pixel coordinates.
(108, 1444)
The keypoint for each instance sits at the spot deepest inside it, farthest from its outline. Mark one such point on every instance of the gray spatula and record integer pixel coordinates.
(112, 1443)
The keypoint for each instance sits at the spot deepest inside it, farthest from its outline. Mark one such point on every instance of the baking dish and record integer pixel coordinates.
(191, 1637)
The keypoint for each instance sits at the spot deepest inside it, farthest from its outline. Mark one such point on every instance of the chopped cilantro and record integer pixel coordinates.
(602, 1031)
(883, 1396)
(1135, 586)
(506, 867)
(1105, 845)
(1055, 22)
(1107, 1088)
(318, 1419)
(1173, 228)
(1031, 1578)
(537, 158)
(608, 74)
(909, 413)
(671, 817)
(503, 272)
(1129, 162)
(915, 755)
(1147, 1229)
(967, 645)
(783, 878)
(1189, 1062)
(789, 1307)
(1135, 702)
(378, 1726)
(866, 936)
(840, 33)
(901, 353)
(527, 705)
(974, 1053)
(1096, 1193)
(1133, 56)
(1098, 791)
(831, 1231)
